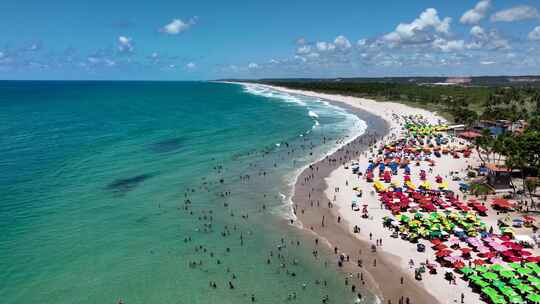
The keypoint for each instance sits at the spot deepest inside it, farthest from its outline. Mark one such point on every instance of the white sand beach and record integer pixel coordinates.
(400, 251)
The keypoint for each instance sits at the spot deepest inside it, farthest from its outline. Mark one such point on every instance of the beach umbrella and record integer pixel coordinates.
(534, 297)
(507, 253)
(443, 253)
(490, 276)
(481, 269)
(488, 255)
(499, 248)
(441, 246)
(474, 277)
(435, 242)
(523, 288)
(496, 260)
(515, 246)
(496, 267)
(466, 270)
(453, 240)
(523, 271)
(458, 264)
(515, 298)
(533, 259)
(480, 283)
(514, 281)
(528, 218)
(534, 280)
(508, 274)
(514, 259)
(524, 253)
(479, 262)
(465, 250)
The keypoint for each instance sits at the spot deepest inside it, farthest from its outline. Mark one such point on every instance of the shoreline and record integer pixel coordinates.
(339, 235)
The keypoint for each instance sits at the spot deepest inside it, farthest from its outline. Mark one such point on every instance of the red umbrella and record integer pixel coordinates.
(516, 246)
(443, 253)
(508, 253)
(505, 238)
(524, 253)
(466, 250)
(435, 242)
(441, 246)
(528, 218)
(478, 262)
(533, 259)
(489, 255)
(514, 259)
(502, 203)
(459, 264)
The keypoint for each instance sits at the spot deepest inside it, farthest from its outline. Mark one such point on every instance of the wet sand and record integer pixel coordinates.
(384, 279)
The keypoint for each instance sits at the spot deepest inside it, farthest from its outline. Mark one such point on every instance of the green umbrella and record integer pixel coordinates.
(534, 280)
(493, 295)
(500, 285)
(480, 283)
(532, 265)
(524, 288)
(514, 265)
(466, 270)
(490, 276)
(534, 297)
(523, 271)
(507, 274)
(496, 267)
(507, 291)
(481, 268)
(475, 277)
(516, 299)
(514, 281)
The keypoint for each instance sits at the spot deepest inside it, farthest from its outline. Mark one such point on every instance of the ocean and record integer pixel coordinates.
(148, 192)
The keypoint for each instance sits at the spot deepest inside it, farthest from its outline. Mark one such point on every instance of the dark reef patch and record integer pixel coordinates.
(124, 185)
(167, 145)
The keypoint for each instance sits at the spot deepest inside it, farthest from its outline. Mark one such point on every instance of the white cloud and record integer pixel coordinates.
(478, 32)
(517, 13)
(342, 42)
(474, 15)
(487, 62)
(325, 46)
(191, 66)
(416, 30)
(534, 34)
(302, 50)
(253, 65)
(125, 44)
(361, 42)
(449, 45)
(177, 26)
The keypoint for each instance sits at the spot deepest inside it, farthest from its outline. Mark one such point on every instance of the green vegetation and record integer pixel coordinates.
(462, 104)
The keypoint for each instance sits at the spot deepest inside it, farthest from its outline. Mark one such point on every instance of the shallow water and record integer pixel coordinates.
(95, 177)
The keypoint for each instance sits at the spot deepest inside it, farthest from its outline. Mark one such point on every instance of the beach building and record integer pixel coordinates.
(499, 177)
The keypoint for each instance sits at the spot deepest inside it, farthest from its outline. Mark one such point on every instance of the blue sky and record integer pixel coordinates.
(180, 40)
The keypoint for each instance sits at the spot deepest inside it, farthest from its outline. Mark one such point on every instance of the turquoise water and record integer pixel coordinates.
(94, 182)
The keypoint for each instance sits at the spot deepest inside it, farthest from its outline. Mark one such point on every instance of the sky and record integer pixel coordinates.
(199, 40)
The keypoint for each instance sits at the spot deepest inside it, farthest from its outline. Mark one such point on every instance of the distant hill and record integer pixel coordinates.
(514, 81)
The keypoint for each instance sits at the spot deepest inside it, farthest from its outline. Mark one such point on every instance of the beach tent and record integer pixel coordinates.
(502, 203)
